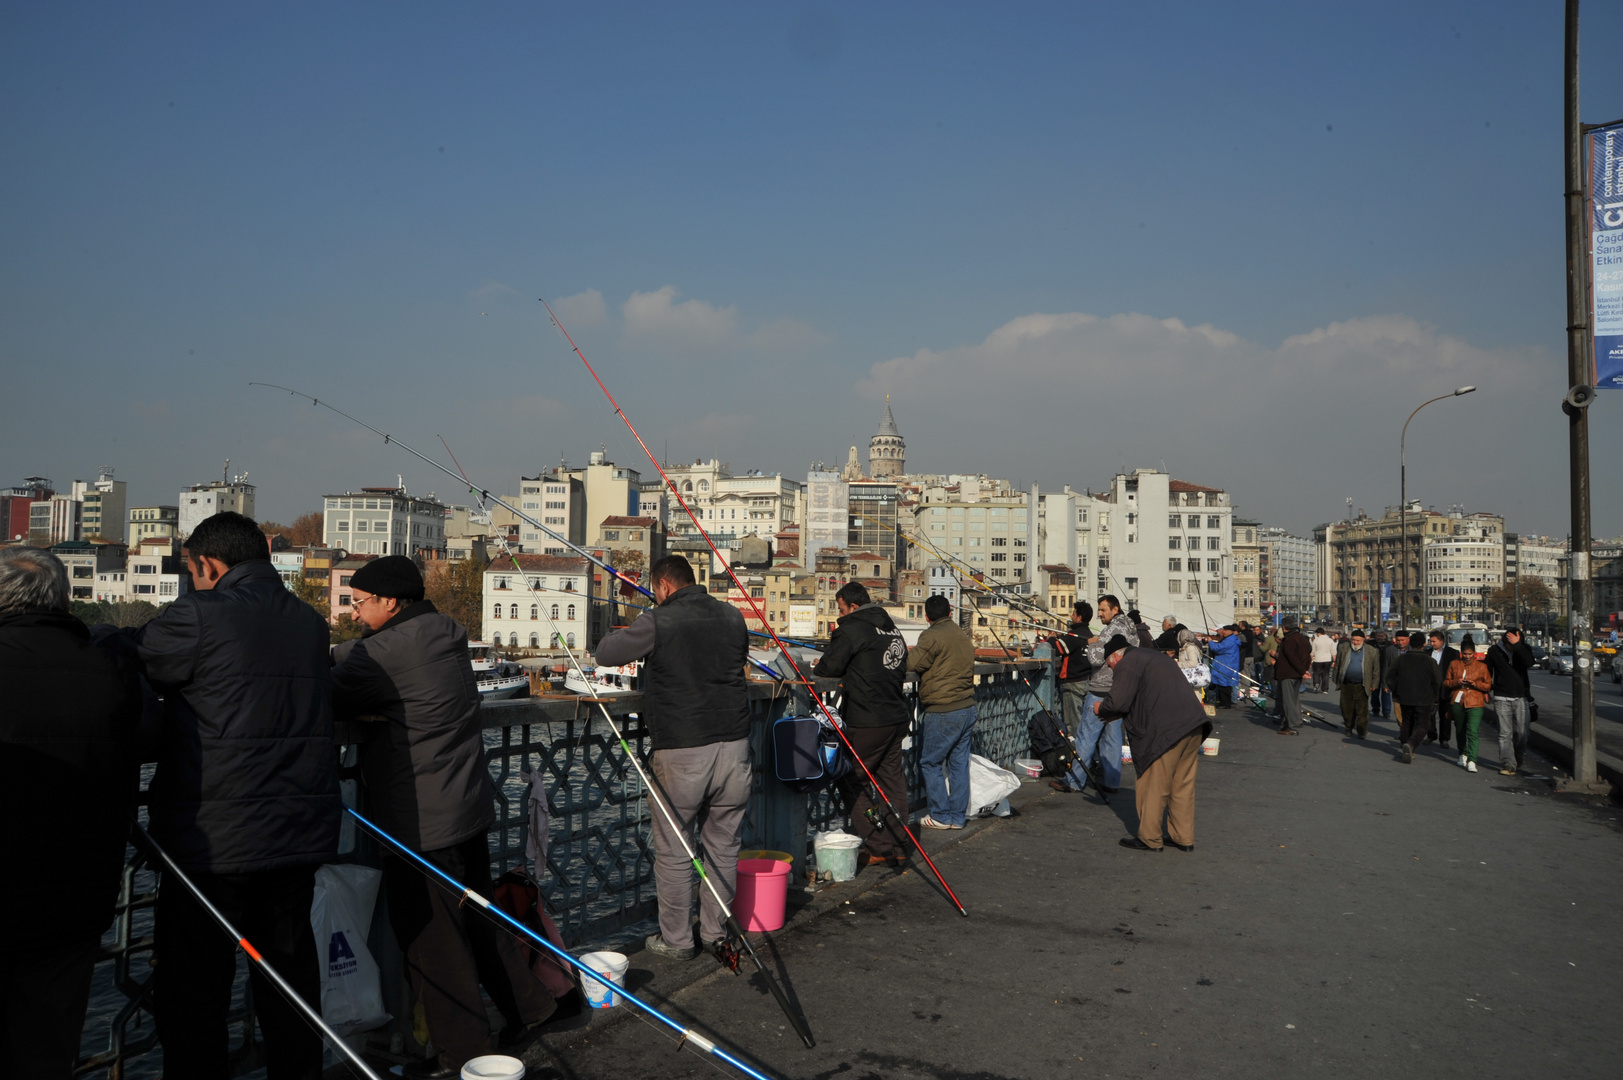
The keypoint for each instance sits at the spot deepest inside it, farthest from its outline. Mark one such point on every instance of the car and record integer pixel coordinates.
(1560, 660)
(1540, 655)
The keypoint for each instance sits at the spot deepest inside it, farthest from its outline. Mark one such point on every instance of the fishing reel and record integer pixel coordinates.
(876, 816)
(727, 955)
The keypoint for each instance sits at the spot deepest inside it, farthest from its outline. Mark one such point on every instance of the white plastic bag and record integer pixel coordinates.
(1199, 676)
(989, 786)
(351, 994)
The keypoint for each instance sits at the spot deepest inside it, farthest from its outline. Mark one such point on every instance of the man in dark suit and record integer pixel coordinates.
(1443, 655)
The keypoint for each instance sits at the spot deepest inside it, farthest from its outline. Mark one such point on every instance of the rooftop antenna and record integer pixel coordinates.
(225, 473)
(1349, 507)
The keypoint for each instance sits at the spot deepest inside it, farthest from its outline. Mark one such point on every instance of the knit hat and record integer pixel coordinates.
(1357, 632)
(1116, 643)
(392, 575)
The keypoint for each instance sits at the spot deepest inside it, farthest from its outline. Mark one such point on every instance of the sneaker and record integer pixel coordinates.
(657, 945)
(1470, 766)
(1408, 754)
(1462, 762)
(931, 823)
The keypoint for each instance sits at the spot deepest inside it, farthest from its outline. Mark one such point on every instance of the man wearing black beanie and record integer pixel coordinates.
(427, 785)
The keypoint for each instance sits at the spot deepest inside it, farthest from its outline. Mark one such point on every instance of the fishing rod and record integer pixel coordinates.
(733, 928)
(483, 494)
(688, 1035)
(1261, 687)
(304, 1007)
(1010, 598)
(782, 648)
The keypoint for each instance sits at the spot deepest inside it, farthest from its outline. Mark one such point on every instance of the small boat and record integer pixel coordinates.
(503, 680)
(605, 681)
(483, 655)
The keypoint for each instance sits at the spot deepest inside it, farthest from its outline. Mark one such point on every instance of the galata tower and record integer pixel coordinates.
(887, 452)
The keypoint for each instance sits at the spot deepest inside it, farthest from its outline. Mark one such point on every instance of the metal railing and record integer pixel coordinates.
(599, 862)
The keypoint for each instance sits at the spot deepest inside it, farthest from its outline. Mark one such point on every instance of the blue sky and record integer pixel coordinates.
(1241, 241)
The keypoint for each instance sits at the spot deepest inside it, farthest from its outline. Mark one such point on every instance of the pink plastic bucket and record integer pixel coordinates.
(763, 893)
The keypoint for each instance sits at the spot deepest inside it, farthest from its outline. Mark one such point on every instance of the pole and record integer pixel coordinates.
(1403, 499)
(1582, 595)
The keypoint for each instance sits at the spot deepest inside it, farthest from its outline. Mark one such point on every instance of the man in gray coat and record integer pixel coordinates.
(426, 784)
(1358, 673)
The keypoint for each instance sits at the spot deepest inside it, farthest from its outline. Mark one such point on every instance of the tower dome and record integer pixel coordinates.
(887, 451)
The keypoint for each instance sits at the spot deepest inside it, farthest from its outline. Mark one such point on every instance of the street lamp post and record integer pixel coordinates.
(1403, 500)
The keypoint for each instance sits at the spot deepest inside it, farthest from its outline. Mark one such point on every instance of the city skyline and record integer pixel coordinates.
(1067, 241)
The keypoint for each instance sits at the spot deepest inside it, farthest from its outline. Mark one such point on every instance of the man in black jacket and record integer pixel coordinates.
(1509, 659)
(1443, 655)
(245, 797)
(1165, 724)
(1074, 672)
(696, 703)
(71, 718)
(867, 653)
(426, 785)
(1416, 685)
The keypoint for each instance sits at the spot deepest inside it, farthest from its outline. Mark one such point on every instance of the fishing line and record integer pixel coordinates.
(782, 648)
(310, 1014)
(733, 927)
(688, 1035)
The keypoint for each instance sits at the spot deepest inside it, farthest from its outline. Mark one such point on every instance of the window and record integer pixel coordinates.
(571, 615)
(535, 641)
(1214, 588)
(1174, 585)
(343, 525)
(611, 534)
(497, 613)
(513, 613)
(757, 592)
(1176, 566)
(1000, 541)
(535, 611)
(1214, 543)
(554, 611)
(571, 640)
(1174, 543)
(1132, 585)
(1175, 521)
(343, 579)
(1213, 521)
(360, 524)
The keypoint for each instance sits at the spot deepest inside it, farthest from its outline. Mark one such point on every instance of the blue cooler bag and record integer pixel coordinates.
(807, 753)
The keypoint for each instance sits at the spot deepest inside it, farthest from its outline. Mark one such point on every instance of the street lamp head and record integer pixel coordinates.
(1464, 390)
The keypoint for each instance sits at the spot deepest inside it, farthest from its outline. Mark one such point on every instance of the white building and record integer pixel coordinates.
(290, 565)
(216, 497)
(111, 585)
(1160, 545)
(383, 521)
(156, 572)
(1460, 572)
(756, 504)
(556, 498)
(514, 601)
(1287, 573)
(84, 562)
(828, 516)
(1542, 557)
(989, 537)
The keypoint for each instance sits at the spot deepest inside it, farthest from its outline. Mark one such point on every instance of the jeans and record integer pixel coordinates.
(1093, 731)
(1511, 712)
(1384, 698)
(1073, 698)
(946, 741)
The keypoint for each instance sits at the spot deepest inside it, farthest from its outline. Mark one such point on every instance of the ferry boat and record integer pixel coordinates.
(497, 679)
(605, 681)
(483, 655)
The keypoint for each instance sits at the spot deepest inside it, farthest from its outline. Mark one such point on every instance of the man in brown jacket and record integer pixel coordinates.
(944, 659)
(1165, 724)
(1294, 659)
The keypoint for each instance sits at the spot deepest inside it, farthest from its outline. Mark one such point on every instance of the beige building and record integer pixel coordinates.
(1363, 554)
(1247, 584)
(153, 523)
(1056, 588)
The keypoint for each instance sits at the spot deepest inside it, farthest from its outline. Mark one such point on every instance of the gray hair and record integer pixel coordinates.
(32, 578)
(1168, 623)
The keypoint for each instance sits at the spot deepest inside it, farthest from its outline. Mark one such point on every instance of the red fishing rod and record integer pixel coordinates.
(759, 615)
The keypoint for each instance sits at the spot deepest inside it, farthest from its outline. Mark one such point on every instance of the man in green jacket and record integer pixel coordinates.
(944, 659)
(1358, 673)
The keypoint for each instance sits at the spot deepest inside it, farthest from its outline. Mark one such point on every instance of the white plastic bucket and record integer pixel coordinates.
(493, 1067)
(1209, 747)
(610, 965)
(1029, 768)
(837, 854)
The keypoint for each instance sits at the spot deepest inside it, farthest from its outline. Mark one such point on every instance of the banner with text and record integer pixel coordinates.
(1606, 253)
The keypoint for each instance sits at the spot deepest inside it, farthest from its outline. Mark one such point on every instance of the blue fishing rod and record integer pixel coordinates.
(686, 1035)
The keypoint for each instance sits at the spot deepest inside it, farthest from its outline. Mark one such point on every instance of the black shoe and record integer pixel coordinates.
(433, 1068)
(1181, 847)
(1062, 786)
(1136, 844)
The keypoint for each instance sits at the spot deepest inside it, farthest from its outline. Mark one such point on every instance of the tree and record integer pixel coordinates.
(457, 589)
(1532, 592)
(313, 592)
(307, 530)
(347, 628)
(128, 613)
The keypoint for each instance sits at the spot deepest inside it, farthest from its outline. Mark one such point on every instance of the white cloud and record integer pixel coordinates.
(785, 335)
(1072, 397)
(490, 290)
(584, 311)
(655, 318)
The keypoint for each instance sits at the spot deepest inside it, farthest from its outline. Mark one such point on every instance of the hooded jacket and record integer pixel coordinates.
(247, 778)
(1225, 660)
(1152, 696)
(867, 653)
(423, 765)
(68, 738)
(944, 659)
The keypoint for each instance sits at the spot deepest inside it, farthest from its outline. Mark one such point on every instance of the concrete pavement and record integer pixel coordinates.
(1343, 914)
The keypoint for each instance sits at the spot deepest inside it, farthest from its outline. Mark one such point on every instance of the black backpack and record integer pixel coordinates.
(1050, 744)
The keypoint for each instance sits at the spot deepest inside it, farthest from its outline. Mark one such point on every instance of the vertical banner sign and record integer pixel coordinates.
(1606, 253)
(1386, 599)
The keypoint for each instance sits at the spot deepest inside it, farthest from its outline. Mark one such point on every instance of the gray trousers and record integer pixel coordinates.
(1290, 702)
(707, 788)
(1512, 716)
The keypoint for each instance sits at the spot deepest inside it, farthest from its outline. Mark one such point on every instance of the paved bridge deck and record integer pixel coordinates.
(1342, 915)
